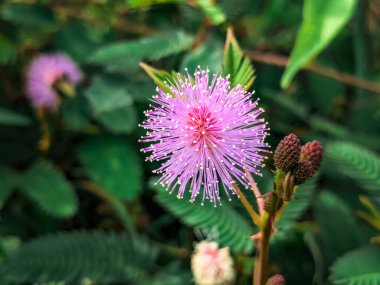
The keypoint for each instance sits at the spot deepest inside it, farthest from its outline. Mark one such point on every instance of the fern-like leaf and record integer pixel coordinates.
(50, 189)
(151, 48)
(236, 64)
(359, 267)
(358, 163)
(74, 257)
(233, 230)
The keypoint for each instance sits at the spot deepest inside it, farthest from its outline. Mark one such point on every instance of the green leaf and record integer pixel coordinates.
(358, 163)
(8, 50)
(236, 64)
(358, 267)
(8, 181)
(111, 105)
(75, 112)
(151, 48)
(78, 40)
(212, 11)
(76, 257)
(28, 15)
(114, 164)
(233, 230)
(209, 56)
(145, 3)
(322, 21)
(339, 230)
(49, 188)
(158, 76)
(11, 118)
(295, 207)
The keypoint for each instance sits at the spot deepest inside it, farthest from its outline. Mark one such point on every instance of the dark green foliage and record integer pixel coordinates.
(231, 228)
(79, 257)
(108, 161)
(8, 181)
(358, 267)
(111, 105)
(11, 118)
(57, 205)
(295, 208)
(153, 48)
(48, 187)
(334, 217)
(358, 163)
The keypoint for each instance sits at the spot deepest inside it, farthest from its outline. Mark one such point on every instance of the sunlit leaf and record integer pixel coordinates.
(322, 21)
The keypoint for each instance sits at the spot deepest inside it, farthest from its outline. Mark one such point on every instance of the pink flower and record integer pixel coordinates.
(212, 266)
(206, 133)
(44, 72)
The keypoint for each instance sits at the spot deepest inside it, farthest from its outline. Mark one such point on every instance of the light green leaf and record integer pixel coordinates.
(152, 48)
(212, 11)
(49, 188)
(158, 76)
(145, 3)
(11, 118)
(233, 230)
(322, 21)
(236, 64)
(114, 164)
(358, 267)
(111, 105)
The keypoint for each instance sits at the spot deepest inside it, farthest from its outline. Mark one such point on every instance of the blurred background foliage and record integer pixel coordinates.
(87, 211)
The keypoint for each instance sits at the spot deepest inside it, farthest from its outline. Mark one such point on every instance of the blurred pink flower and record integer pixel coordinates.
(208, 134)
(212, 266)
(43, 73)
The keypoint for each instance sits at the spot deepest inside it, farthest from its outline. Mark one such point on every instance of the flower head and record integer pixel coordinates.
(312, 152)
(44, 72)
(212, 266)
(276, 280)
(206, 133)
(302, 172)
(287, 153)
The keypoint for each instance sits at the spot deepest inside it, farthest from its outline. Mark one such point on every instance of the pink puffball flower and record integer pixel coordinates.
(207, 134)
(211, 265)
(44, 71)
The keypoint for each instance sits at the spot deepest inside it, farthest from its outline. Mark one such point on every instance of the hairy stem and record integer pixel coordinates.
(261, 264)
(252, 213)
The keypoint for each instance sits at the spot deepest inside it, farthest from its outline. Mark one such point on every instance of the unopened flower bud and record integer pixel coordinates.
(287, 187)
(312, 152)
(211, 265)
(276, 280)
(287, 153)
(268, 200)
(302, 172)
